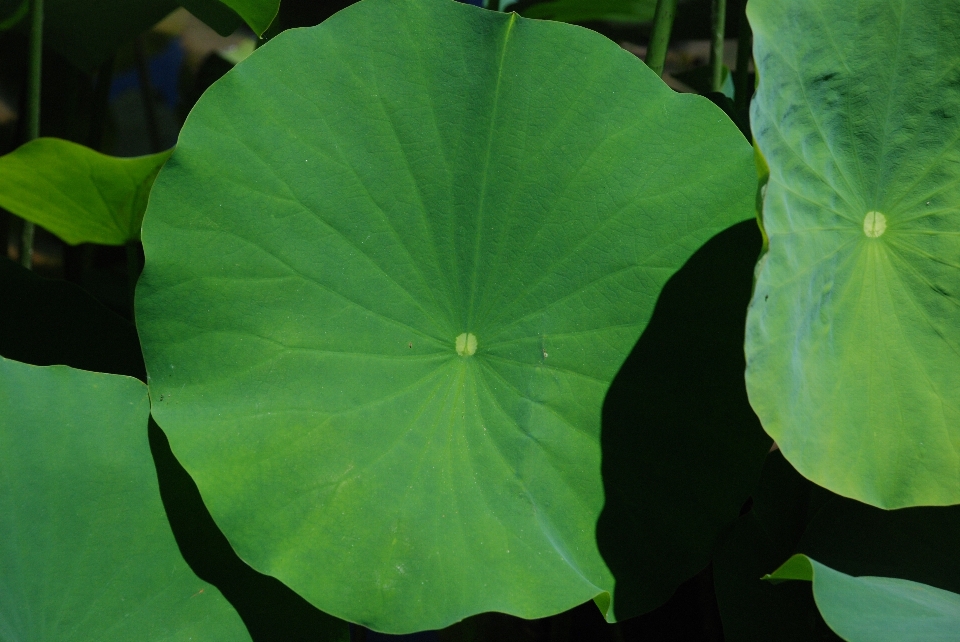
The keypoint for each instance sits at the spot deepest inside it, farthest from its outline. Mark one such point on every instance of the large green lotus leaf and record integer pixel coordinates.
(79, 194)
(392, 268)
(86, 552)
(853, 336)
(877, 609)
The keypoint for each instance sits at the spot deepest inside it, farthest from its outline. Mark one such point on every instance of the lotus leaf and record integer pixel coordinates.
(391, 270)
(86, 552)
(666, 501)
(853, 336)
(80, 195)
(876, 609)
(258, 14)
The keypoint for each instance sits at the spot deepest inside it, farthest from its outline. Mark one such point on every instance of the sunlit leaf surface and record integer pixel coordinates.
(86, 552)
(853, 336)
(392, 269)
(80, 195)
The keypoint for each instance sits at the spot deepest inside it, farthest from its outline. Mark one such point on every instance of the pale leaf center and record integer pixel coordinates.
(874, 224)
(466, 344)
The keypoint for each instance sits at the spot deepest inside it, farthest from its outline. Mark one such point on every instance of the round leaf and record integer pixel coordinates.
(86, 552)
(391, 270)
(853, 336)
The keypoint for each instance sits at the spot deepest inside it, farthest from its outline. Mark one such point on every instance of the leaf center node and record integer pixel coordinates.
(874, 224)
(466, 344)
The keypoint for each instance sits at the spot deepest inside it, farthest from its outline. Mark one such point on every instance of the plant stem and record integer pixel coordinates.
(716, 44)
(660, 38)
(741, 75)
(33, 113)
(146, 95)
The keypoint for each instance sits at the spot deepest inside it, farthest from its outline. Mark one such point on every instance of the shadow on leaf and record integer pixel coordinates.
(682, 449)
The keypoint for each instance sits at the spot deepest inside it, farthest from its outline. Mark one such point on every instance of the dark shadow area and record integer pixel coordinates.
(682, 449)
(917, 544)
(270, 610)
(48, 322)
(306, 13)
(690, 615)
(762, 539)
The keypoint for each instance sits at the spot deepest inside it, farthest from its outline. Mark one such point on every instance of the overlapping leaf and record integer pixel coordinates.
(392, 268)
(80, 195)
(876, 609)
(853, 338)
(86, 552)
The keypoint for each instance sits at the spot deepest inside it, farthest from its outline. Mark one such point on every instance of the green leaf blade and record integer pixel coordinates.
(852, 341)
(468, 174)
(258, 14)
(80, 195)
(86, 551)
(876, 609)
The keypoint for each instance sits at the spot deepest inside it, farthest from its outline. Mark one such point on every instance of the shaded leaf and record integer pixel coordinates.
(258, 14)
(682, 450)
(87, 32)
(12, 12)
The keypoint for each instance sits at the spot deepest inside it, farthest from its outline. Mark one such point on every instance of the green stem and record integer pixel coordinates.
(716, 44)
(741, 75)
(33, 113)
(660, 38)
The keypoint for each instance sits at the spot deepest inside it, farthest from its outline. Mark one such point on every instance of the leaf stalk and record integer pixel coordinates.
(719, 25)
(660, 38)
(33, 113)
